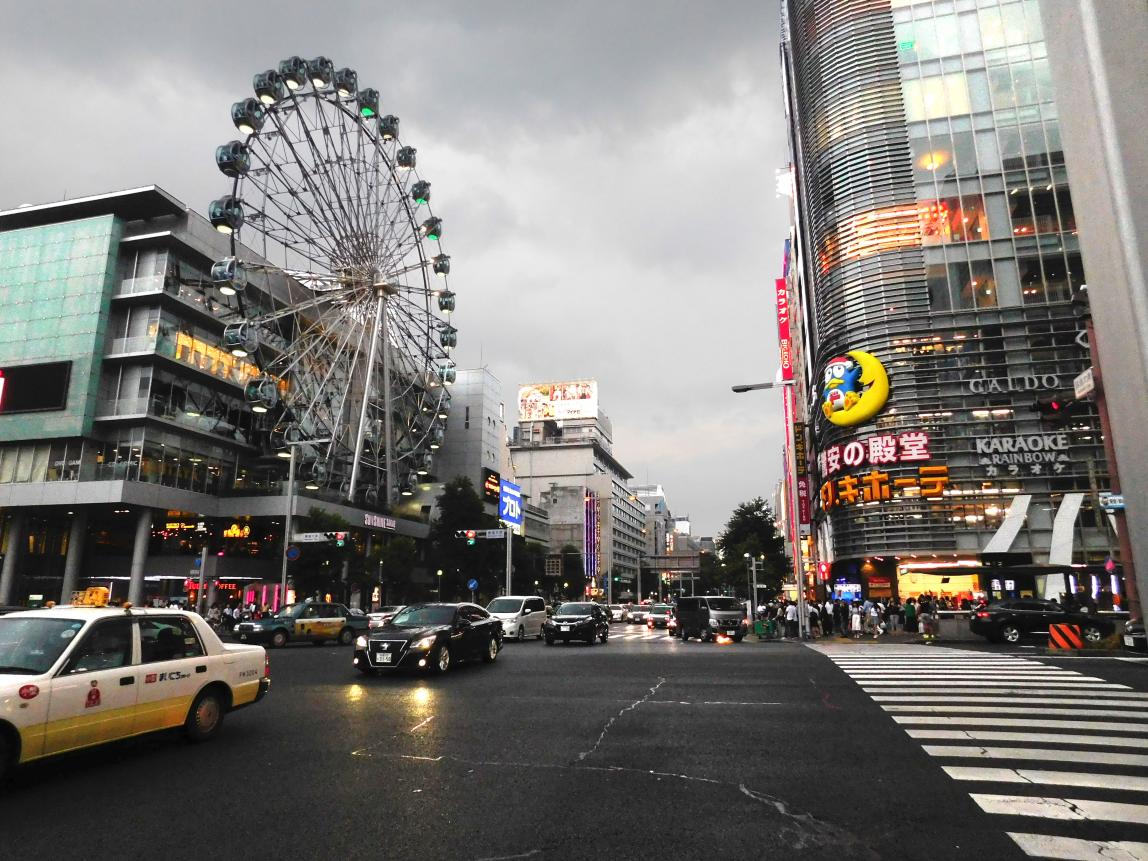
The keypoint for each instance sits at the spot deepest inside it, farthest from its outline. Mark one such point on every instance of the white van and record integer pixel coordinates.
(521, 615)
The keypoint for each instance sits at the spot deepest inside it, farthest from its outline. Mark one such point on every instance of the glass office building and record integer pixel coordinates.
(936, 235)
(126, 442)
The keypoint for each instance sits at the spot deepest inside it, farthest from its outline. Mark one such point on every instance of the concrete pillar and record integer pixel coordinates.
(76, 538)
(15, 542)
(139, 557)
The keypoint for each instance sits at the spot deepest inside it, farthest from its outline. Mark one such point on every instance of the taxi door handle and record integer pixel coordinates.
(127, 680)
(202, 668)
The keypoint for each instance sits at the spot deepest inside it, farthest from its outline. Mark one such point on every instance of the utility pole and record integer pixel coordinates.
(509, 563)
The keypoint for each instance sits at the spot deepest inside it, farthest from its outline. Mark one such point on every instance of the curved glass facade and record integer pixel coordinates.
(939, 235)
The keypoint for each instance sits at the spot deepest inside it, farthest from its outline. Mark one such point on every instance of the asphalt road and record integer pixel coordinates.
(642, 748)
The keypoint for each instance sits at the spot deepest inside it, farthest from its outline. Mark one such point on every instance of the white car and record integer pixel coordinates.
(84, 674)
(521, 615)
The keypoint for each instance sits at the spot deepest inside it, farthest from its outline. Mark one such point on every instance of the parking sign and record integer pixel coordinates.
(510, 503)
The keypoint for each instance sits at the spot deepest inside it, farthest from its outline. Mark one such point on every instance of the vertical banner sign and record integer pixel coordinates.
(792, 483)
(801, 468)
(592, 535)
(783, 335)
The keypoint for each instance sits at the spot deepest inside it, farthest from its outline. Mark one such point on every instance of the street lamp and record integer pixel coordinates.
(439, 574)
(287, 523)
(799, 578)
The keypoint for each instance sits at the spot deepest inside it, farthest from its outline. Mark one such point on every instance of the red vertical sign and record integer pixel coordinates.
(783, 335)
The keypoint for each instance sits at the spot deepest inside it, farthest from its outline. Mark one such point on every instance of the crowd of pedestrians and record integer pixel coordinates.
(872, 617)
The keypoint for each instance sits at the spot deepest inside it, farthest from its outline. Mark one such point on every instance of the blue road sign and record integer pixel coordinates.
(510, 503)
(471, 584)
(197, 562)
(293, 553)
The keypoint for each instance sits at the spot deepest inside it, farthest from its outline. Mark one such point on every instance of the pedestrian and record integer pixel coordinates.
(911, 616)
(855, 623)
(814, 620)
(875, 619)
(791, 619)
(827, 618)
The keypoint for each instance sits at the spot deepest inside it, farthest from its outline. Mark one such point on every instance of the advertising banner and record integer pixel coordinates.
(491, 485)
(510, 503)
(784, 339)
(577, 399)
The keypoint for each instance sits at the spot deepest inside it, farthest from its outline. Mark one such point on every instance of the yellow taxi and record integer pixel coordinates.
(83, 674)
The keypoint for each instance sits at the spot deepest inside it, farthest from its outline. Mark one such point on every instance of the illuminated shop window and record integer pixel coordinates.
(953, 219)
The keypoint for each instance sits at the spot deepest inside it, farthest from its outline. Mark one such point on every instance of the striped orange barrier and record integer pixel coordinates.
(1064, 636)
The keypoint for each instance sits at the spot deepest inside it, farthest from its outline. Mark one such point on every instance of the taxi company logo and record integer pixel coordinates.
(29, 692)
(93, 699)
(856, 388)
(150, 678)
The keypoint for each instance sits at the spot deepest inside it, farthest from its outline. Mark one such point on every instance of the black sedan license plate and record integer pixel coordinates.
(383, 657)
(730, 633)
(243, 636)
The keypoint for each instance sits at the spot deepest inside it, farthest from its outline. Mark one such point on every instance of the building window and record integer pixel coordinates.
(936, 96)
(466, 418)
(953, 219)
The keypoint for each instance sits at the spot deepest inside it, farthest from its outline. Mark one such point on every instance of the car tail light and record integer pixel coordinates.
(983, 614)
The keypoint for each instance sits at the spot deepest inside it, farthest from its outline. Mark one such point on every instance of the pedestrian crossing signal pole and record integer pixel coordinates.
(509, 562)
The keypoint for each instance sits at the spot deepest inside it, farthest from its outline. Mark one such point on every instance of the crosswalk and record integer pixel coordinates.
(643, 634)
(1062, 754)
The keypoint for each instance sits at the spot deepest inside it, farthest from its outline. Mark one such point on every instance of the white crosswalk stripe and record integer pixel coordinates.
(1029, 728)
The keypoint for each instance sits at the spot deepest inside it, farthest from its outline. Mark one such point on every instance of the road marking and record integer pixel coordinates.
(1093, 757)
(1077, 691)
(974, 698)
(1034, 737)
(1054, 778)
(1009, 710)
(1062, 808)
(1011, 683)
(1076, 849)
(422, 724)
(933, 720)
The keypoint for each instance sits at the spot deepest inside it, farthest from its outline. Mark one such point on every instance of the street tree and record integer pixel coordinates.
(460, 508)
(751, 529)
(398, 557)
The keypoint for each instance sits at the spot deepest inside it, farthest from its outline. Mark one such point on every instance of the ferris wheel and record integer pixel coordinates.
(350, 329)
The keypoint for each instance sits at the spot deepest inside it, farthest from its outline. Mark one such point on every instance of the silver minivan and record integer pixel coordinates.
(521, 615)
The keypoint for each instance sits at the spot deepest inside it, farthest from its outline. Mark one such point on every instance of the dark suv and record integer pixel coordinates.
(1008, 621)
(710, 616)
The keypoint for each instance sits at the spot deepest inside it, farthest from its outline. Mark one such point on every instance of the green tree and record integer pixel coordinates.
(529, 566)
(398, 557)
(573, 572)
(460, 508)
(751, 529)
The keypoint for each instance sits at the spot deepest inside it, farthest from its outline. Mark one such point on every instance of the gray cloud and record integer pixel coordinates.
(604, 170)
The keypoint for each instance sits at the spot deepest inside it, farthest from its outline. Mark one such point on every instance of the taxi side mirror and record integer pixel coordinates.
(527, 612)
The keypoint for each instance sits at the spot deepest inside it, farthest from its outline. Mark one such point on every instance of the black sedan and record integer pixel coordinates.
(1008, 621)
(430, 637)
(583, 621)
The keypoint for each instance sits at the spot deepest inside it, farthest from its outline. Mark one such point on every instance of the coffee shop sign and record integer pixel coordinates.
(1000, 385)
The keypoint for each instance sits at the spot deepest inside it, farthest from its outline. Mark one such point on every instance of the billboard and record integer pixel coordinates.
(510, 503)
(784, 336)
(577, 399)
(491, 485)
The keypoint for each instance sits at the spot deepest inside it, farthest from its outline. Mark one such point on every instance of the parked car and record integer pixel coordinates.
(1010, 620)
(522, 616)
(311, 621)
(579, 620)
(430, 637)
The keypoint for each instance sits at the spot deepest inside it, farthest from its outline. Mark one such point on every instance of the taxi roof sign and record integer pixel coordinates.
(93, 596)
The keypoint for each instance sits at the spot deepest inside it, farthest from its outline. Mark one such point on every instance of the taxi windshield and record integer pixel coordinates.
(290, 611)
(31, 645)
(416, 617)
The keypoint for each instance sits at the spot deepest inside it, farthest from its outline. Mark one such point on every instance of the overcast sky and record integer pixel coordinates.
(604, 170)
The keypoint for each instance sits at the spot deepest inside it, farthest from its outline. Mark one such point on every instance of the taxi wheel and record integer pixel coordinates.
(521, 634)
(7, 758)
(604, 636)
(491, 651)
(279, 639)
(1092, 634)
(206, 716)
(346, 637)
(550, 641)
(442, 660)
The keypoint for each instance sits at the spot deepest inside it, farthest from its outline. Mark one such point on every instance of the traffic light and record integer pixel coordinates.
(471, 536)
(823, 571)
(1056, 408)
(340, 538)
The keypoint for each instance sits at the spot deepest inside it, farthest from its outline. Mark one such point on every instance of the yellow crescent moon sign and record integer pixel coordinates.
(876, 381)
